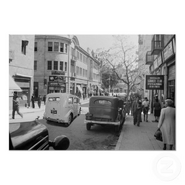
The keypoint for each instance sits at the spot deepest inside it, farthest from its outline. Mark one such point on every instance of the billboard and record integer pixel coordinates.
(155, 82)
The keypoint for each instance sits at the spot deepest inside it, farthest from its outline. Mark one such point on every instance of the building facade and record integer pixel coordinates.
(161, 58)
(144, 46)
(21, 57)
(61, 65)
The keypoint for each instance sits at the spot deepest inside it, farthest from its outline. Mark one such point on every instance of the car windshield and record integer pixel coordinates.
(102, 102)
(53, 99)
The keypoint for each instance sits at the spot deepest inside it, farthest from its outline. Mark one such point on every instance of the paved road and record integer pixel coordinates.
(98, 138)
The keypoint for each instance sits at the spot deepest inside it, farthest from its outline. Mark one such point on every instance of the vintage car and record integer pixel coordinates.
(33, 135)
(62, 108)
(105, 110)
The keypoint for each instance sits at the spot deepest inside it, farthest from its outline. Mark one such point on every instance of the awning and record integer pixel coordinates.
(80, 89)
(13, 86)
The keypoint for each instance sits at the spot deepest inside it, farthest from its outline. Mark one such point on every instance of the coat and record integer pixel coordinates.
(167, 125)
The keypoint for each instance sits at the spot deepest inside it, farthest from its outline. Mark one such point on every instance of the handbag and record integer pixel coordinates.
(158, 135)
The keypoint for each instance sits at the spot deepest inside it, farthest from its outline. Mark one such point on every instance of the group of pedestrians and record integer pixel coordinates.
(16, 103)
(137, 108)
(164, 115)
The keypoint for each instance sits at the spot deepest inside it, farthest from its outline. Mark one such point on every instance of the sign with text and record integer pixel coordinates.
(155, 82)
(57, 78)
(168, 51)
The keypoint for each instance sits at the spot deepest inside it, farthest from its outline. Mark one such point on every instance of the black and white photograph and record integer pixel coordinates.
(92, 92)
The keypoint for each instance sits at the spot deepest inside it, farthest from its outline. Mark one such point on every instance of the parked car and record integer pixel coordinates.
(33, 135)
(62, 107)
(105, 110)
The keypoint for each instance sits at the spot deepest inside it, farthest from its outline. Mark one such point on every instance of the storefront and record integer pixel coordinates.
(24, 82)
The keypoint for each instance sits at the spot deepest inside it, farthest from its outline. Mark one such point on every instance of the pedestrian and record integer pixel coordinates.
(39, 101)
(167, 124)
(15, 105)
(139, 110)
(33, 101)
(145, 105)
(134, 110)
(44, 99)
(157, 110)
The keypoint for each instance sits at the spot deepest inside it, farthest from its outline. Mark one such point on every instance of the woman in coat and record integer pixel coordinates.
(167, 124)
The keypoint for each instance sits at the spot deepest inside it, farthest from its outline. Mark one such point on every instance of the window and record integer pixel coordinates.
(35, 48)
(70, 100)
(77, 70)
(65, 66)
(80, 71)
(102, 102)
(56, 46)
(62, 47)
(53, 99)
(83, 72)
(23, 48)
(50, 46)
(49, 65)
(65, 48)
(55, 67)
(76, 100)
(35, 65)
(80, 57)
(61, 65)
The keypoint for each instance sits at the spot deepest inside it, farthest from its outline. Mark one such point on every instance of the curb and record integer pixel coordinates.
(120, 138)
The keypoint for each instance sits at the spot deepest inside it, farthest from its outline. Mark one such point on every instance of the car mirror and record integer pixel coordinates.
(60, 143)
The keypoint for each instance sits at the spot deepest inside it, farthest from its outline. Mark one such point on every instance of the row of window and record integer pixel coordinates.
(54, 65)
(54, 46)
(82, 57)
(81, 72)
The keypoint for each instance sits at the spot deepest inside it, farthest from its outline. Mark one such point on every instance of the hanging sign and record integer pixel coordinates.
(155, 82)
(168, 51)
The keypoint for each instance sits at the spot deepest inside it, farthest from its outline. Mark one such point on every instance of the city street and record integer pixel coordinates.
(98, 138)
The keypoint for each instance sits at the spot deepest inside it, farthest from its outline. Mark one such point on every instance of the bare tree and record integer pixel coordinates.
(122, 59)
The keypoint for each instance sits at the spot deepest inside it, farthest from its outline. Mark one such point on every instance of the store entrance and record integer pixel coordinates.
(171, 90)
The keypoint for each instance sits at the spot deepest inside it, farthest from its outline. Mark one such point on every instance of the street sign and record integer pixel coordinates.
(155, 82)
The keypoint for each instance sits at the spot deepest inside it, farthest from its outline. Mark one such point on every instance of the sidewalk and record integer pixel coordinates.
(138, 138)
(25, 110)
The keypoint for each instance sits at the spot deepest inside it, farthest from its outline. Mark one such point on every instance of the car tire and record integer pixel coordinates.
(88, 126)
(117, 128)
(70, 119)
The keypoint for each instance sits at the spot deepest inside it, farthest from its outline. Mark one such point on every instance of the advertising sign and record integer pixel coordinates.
(58, 72)
(57, 78)
(159, 60)
(168, 51)
(155, 82)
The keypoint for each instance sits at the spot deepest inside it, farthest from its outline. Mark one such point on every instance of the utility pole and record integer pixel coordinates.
(109, 84)
(68, 68)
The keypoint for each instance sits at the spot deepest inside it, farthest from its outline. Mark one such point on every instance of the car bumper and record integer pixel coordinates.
(54, 120)
(102, 122)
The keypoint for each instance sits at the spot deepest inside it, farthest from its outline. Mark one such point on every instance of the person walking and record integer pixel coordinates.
(145, 105)
(39, 101)
(139, 110)
(15, 106)
(167, 124)
(33, 101)
(157, 110)
(44, 99)
(134, 111)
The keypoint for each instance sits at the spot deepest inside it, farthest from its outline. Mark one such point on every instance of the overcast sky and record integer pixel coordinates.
(100, 41)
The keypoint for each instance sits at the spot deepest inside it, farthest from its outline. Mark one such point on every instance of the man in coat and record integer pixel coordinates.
(167, 124)
(134, 110)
